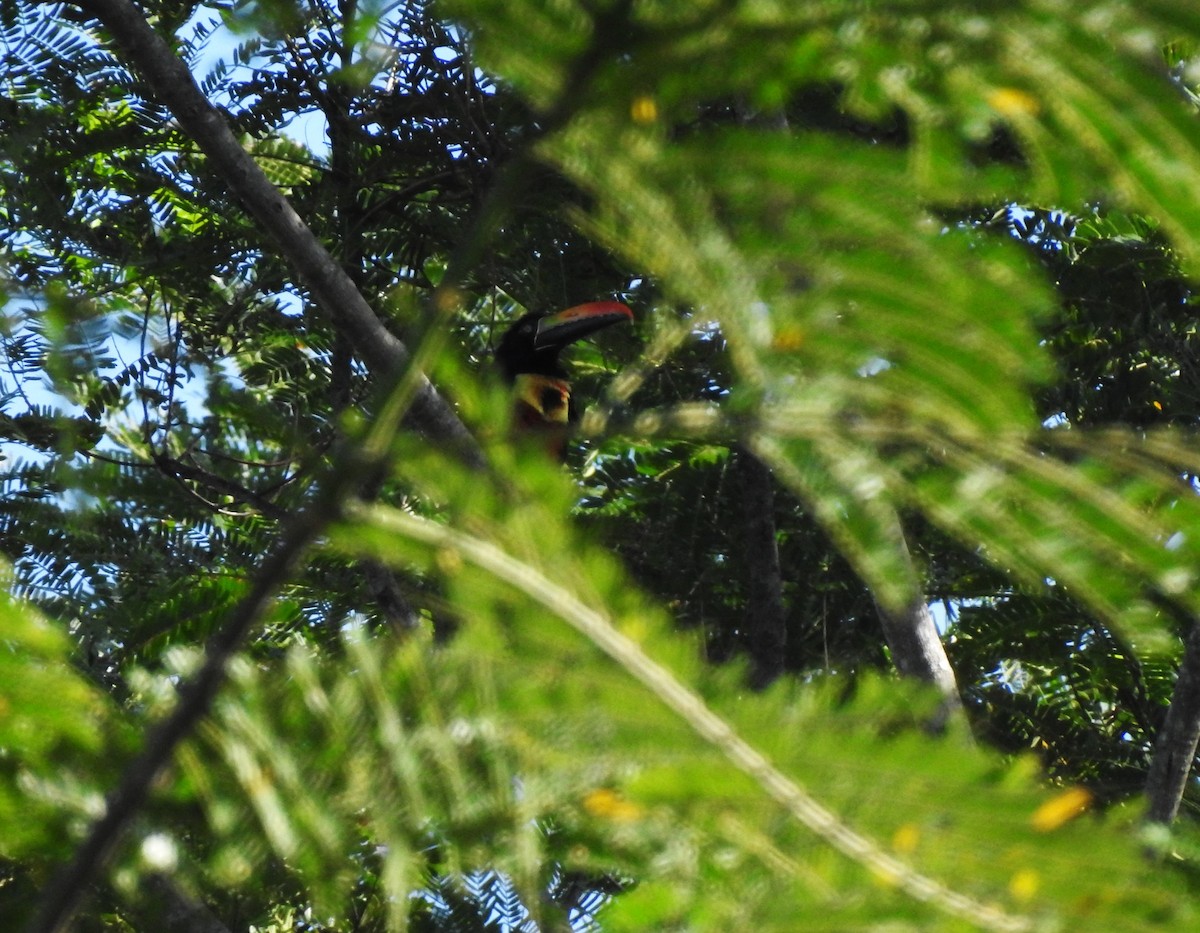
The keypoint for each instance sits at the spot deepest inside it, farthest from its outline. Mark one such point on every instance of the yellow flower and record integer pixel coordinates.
(1013, 102)
(905, 839)
(643, 110)
(788, 339)
(1061, 809)
(607, 804)
(1023, 886)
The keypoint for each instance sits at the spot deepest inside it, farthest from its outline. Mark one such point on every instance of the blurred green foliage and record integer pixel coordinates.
(931, 263)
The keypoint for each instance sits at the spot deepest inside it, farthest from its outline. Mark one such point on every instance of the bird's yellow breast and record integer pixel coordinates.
(548, 398)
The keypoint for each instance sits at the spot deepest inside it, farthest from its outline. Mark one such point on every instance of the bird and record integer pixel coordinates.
(528, 358)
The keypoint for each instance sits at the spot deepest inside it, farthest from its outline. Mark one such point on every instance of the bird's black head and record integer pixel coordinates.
(533, 343)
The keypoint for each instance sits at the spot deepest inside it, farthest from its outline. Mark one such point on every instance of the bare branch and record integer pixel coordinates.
(913, 639)
(63, 896)
(329, 285)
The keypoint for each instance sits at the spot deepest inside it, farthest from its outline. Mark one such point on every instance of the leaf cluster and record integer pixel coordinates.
(927, 262)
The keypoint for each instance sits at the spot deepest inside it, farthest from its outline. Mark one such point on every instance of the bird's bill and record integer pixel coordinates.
(557, 330)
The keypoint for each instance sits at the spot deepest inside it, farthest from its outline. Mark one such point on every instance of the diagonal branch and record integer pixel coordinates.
(326, 281)
(354, 465)
(358, 466)
(913, 639)
(62, 896)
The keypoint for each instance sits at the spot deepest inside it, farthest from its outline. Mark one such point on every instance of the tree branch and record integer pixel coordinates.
(179, 470)
(353, 462)
(912, 637)
(62, 897)
(1175, 748)
(326, 281)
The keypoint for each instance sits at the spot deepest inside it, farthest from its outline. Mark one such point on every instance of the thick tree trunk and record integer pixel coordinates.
(766, 622)
(1175, 748)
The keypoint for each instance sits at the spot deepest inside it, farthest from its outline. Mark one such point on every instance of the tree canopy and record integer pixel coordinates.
(867, 593)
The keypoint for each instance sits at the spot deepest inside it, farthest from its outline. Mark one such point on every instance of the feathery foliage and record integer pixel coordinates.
(930, 263)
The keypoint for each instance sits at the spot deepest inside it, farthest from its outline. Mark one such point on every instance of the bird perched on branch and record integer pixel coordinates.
(528, 356)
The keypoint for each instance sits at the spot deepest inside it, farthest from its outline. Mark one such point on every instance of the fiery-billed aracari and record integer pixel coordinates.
(528, 358)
